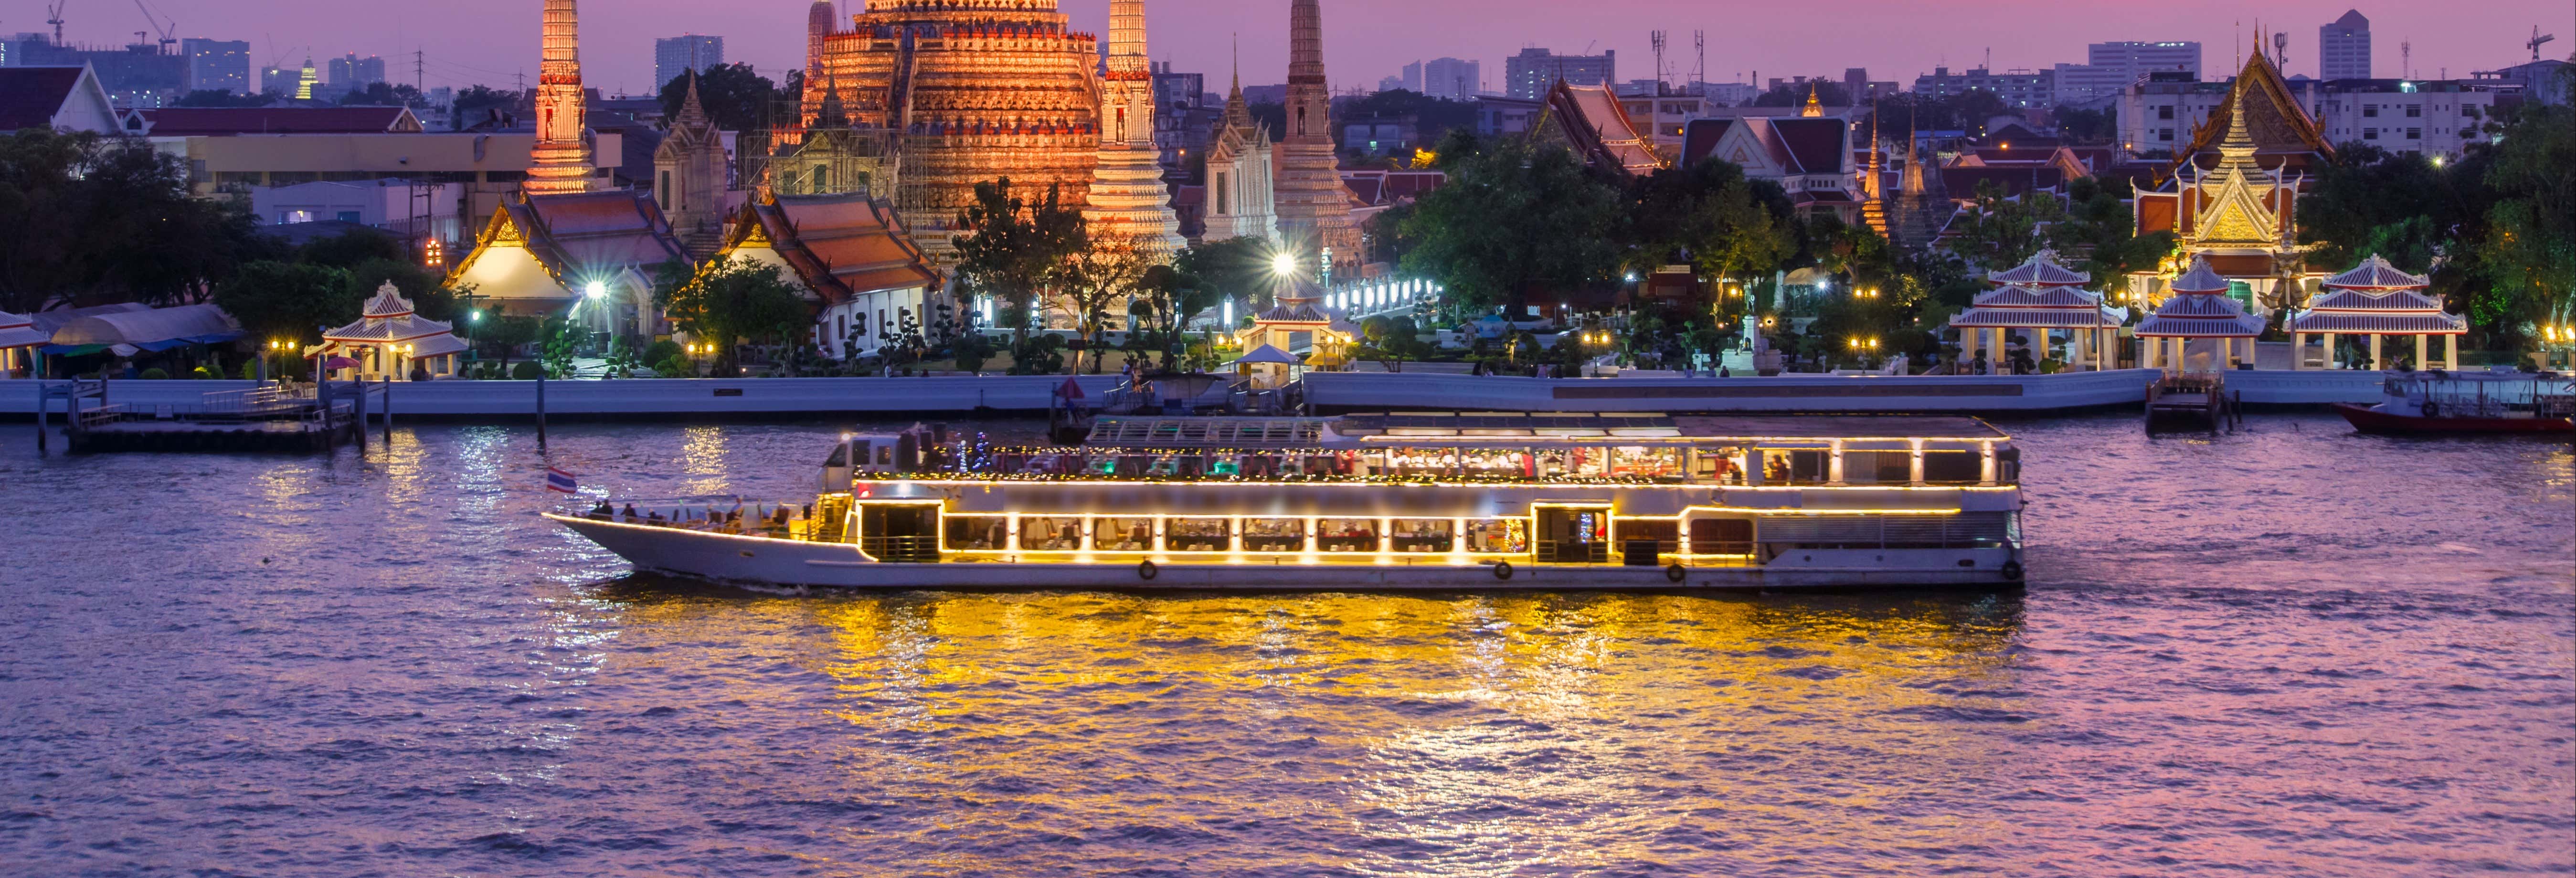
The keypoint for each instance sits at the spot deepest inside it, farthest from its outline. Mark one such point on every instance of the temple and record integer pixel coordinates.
(2199, 327)
(590, 255)
(1809, 156)
(2376, 299)
(850, 257)
(1240, 203)
(1314, 207)
(1591, 121)
(560, 158)
(2231, 196)
(391, 342)
(2039, 297)
(1127, 201)
(689, 176)
(964, 92)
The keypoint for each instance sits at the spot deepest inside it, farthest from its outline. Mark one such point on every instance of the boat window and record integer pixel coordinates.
(1642, 462)
(1051, 533)
(1574, 462)
(840, 456)
(1497, 464)
(1665, 533)
(977, 533)
(1122, 534)
(2008, 466)
(1196, 534)
(885, 455)
(1274, 534)
(1347, 534)
(1423, 461)
(1721, 536)
(1796, 466)
(1508, 536)
(1878, 467)
(1421, 534)
(1951, 467)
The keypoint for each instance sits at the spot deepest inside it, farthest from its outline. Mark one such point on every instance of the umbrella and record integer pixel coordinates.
(339, 363)
(1267, 354)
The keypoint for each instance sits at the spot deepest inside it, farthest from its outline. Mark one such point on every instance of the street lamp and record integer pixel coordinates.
(1284, 264)
(596, 290)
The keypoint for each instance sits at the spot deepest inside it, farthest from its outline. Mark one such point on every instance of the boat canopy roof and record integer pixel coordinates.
(1582, 428)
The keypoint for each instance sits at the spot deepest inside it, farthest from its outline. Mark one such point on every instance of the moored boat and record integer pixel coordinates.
(1396, 501)
(2437, 401)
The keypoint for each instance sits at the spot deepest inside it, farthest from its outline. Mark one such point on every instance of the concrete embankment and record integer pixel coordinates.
(1961, 394)
(492, 401)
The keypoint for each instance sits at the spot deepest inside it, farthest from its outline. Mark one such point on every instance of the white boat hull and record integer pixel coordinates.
(746, 559)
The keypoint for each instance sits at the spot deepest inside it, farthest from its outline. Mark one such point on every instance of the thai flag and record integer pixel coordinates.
(1072, 389)
(558, 480)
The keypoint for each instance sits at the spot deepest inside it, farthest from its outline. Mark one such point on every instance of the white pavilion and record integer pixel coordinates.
(1300, 321)
(2198, 309)
(2378, 300)
(17, 336)
(390, 339)
(2041, 296)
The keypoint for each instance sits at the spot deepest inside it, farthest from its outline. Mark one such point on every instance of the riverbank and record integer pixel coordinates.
(998, 395)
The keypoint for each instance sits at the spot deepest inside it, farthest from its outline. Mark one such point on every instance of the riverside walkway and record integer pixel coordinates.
(999, 395)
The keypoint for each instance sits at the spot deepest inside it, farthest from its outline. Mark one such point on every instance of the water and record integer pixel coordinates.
(2290, 651)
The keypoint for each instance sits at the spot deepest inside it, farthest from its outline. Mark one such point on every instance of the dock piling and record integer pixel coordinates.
(389, 411)
(44, 414)
(541, 408)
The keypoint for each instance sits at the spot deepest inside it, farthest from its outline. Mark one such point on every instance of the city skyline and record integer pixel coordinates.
(492, 42)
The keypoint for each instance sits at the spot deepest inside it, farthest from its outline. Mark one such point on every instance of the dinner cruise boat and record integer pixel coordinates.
(1375, 502)
(2438, 401)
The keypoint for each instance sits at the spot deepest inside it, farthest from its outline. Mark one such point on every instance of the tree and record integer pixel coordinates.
(1012, 249)
(1708, 216)
(510, 334)
(733, 301)
(351, 248)
(472, 103)
(2088, 127)
(287, 300)
(224, 97)
(1515, 219)
(1234, 268)
(736, 99)
(1085, 284)
(85, 218)
(1391, 341)
(1999, 231)
(383, 94)
(2100, 229)
(2529, 251)
(430, 297)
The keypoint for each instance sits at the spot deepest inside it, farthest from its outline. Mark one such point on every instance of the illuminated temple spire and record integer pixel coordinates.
(560, 158)
(1314, 207)
(1127, 197)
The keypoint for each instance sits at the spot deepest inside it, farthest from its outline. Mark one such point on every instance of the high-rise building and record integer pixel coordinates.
(1314, 207)
(1412, 78)
(559, 161)
(281, 80)
(673, 56)
(217, 65)
(2111, 67)
(1530, 74)
(2343, 47)
(1451, 78)
(2018, 88)
(351, 73)
(1127, 199)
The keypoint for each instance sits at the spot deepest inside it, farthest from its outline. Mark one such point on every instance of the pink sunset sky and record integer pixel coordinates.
(490, 41)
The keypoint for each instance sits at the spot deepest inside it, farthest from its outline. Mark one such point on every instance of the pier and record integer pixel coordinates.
(270, 417)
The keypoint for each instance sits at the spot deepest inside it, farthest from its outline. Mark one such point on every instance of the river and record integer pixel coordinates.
(2288, 651)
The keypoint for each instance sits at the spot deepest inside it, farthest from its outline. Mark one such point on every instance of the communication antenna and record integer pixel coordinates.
(2406, 59)
(2281, 49)
(1699, 38)
(1658, 38)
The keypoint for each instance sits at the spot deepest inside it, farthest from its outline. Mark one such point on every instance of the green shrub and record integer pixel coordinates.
(660, 351)
(675, 366)
(250, 370)
(154, 374)
(526, 371)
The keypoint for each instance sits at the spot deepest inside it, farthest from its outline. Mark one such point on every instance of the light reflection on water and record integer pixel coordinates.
(2259, 654)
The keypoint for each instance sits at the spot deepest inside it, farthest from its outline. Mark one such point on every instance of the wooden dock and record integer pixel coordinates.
(2201, 397)
(271, 418)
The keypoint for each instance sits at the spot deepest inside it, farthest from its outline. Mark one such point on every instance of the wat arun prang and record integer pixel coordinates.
(1314, 207)
(969, 91)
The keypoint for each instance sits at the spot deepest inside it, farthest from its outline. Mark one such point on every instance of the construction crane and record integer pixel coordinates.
(169, 31)
(54, 16)
(2537, 38)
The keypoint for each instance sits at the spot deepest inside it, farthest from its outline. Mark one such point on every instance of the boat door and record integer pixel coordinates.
(902, 533)
(1567, 534)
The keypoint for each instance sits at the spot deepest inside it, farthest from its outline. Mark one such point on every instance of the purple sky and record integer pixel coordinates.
(469, 41)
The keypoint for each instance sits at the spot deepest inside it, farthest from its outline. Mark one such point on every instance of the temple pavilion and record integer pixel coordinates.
(1299, 322)
(2231, 196)
(2199, 309)
(17, 335)
(2378, 300)
(390, 340)
(2040, 297)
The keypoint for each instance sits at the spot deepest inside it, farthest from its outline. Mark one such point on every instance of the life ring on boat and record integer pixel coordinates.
(1675, 573)
(2432, 409)
(1147, 570)
(2012, 570)
(1502, 570)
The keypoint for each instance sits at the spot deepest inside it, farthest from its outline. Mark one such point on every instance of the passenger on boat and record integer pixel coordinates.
(603, 511)
(630, 513)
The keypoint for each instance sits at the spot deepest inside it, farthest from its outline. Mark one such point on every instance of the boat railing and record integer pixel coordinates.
(901, 550)
(731, 517)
